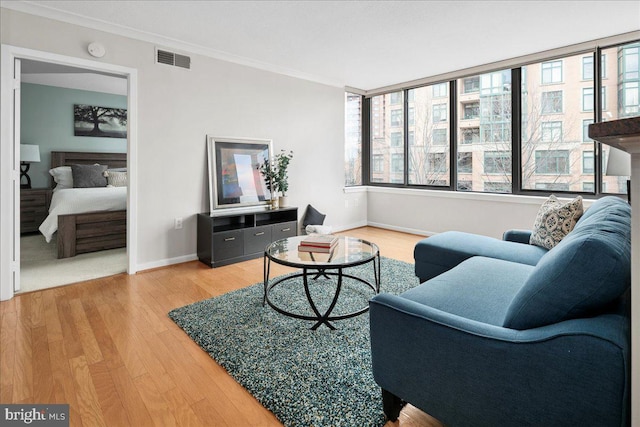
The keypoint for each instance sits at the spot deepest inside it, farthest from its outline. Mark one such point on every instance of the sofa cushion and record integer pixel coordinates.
(442, 252)
(479, 288)
(588, 269)
(555, 220)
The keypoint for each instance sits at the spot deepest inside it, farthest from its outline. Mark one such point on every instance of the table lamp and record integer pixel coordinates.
(28, 154)
(619, 164)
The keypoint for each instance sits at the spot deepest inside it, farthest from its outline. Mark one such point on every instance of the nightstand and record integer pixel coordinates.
(34, 208)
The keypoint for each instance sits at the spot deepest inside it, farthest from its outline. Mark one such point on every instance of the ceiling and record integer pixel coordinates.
(360, 44)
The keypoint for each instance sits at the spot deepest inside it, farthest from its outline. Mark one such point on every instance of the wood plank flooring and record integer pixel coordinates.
(108, 349)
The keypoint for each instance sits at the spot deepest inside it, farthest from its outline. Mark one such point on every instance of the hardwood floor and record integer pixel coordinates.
(108, 349)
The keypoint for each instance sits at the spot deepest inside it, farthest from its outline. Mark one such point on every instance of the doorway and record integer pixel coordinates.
(12, 58)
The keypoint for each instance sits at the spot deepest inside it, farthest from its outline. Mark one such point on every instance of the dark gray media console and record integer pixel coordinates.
(228, 238)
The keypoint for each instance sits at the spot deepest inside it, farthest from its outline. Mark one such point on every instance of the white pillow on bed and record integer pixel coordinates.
(116, 178)
(62, 176)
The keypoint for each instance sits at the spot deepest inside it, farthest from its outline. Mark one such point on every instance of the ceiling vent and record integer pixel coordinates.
(172, 58)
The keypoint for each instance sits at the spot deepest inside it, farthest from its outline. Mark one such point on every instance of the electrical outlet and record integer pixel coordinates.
(178, 223)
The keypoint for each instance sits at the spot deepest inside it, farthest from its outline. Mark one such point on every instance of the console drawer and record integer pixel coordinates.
(256, 239)
(228, 244)
(284, 229)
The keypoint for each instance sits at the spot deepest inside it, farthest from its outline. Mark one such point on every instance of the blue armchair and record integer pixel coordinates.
(499, 338)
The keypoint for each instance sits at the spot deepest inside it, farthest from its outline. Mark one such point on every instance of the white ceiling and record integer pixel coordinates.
(361, 44)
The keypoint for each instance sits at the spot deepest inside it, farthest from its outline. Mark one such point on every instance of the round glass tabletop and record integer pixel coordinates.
(348, 251)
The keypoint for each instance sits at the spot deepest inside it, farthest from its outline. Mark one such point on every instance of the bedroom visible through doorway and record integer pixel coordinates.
(50, 94)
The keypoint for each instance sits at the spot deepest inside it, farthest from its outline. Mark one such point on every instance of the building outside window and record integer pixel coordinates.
(430, 125)
(353, 139)
(471, 84)
(440, 90)
(471, 110)
(439, 113)
(552, 72)
(395, 98)
(465, 162)
(551, 132)
(587, 162)
(387, 136)
(552, 102)
(555, 162)
(397, 163)
(557, 100)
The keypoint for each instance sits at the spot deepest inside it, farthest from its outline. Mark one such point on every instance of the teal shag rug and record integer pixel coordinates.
(304, 377)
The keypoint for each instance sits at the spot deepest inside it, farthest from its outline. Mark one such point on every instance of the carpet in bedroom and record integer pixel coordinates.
(318, 378)
(40, 269)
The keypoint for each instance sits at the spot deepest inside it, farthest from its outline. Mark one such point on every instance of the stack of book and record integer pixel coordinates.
(318, 243)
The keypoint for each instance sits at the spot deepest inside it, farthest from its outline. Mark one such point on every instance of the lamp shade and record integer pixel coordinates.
(618, 163)
(29, 153)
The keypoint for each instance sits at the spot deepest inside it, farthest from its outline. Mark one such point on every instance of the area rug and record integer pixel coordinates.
(306, 378)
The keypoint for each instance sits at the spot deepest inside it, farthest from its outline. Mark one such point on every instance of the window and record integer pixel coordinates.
(497, 162)
(587, 68)
(439, 113)
(410, 139)
(552, 102)
(395, 98)
(396, 139)
(551, 72)
(353, 139)
(440, 137)
(554, 162)
(387, 139)
(551, 132)
(396, 118)
(587, 162)
(471, 84)
(585, 130)
(470, 136)
(471, 110)
(377, 163)
(490, 105)
(465, 162)
(629, 99)
(440, 90)
(431, 126)
(587, 99)
(437, 162)
(397, 163)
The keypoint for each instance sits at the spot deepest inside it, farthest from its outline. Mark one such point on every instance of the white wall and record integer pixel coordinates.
(178, 108)
(428, 211)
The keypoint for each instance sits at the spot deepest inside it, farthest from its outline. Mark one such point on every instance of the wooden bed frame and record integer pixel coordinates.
(90, 231)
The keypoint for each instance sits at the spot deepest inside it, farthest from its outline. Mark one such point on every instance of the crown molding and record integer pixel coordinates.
(157, 39)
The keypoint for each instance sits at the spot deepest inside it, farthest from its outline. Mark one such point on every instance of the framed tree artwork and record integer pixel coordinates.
(101, 122)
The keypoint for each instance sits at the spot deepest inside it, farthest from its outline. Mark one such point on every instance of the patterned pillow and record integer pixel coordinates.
(116, 178)
(555, 220)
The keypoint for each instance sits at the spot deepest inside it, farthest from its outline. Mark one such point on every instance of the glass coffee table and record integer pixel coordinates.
(348, 252)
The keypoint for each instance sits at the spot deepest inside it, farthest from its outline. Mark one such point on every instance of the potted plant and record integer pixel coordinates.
(276, 176)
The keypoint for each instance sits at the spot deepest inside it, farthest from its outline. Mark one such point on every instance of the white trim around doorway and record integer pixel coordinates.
(9, 212)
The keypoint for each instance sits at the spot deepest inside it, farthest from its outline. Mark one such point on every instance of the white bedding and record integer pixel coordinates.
(80, 200)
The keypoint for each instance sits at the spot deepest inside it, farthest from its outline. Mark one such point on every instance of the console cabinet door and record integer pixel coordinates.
(228, 244)
(283, 230)
(256, 239)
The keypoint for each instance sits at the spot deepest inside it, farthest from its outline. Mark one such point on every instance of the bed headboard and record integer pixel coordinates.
(68, 158)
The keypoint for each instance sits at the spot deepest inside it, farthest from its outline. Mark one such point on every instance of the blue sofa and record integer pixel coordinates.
(504, 333)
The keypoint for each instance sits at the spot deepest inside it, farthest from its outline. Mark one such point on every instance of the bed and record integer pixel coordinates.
(86, 219)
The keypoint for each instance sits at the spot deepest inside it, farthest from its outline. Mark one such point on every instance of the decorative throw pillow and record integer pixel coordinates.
(62, 176)
(85, 176)
(116, 178)
(312, 217)
(555, 220)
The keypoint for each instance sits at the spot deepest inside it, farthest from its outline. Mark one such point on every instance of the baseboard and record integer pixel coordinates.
(401, 229)
(167, 262)
(350, 226)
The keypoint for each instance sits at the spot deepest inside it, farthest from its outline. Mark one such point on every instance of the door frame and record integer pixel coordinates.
(10, 162)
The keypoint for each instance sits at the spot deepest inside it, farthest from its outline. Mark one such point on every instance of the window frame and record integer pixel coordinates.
(516, 143)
